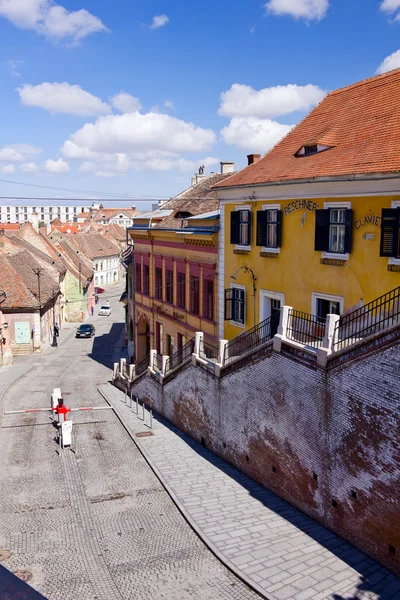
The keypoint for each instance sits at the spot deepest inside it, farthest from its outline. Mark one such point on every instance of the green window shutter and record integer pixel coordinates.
(321, 242)
(390, 232)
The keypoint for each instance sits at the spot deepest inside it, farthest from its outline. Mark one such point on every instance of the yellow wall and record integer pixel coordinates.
(174, 320)
(297, 270)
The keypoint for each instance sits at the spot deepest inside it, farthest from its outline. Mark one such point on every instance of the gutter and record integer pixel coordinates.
(337, 179)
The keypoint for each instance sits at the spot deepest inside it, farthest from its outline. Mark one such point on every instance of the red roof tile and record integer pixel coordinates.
(360, 122)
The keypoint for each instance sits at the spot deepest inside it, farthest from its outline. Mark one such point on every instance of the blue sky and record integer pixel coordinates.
(272, 61)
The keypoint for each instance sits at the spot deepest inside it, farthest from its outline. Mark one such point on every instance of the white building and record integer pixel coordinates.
(106, 270)
(46, 214)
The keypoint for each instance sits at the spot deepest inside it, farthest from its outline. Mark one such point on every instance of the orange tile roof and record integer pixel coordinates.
(10, 226)
(360, 122)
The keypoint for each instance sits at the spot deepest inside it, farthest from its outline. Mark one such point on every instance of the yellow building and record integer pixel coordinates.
(175, 269)
(315, 223)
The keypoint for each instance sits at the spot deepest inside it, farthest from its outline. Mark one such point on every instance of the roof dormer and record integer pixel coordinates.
(309, 149)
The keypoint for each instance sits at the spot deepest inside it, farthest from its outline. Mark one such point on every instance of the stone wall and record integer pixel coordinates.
(326, 440)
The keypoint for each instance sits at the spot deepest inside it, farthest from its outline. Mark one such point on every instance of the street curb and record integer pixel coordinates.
(4, 392)
(175, 499)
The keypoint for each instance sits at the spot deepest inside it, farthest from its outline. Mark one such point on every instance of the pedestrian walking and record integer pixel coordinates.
(56, 330)
(92, 310)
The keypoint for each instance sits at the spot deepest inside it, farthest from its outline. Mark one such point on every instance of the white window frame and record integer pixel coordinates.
(316, 295)
(338, 256)
(241, 287)
(240, 246)
(392, 260)
(264, 248)
(271, 296)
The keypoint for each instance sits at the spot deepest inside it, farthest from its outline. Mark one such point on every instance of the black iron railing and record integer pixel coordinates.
(157, 362)
(180, 356)
(381, 313)
(141, 367)
(210, 348)
(251, 339)
(125, 370)
(305, 329)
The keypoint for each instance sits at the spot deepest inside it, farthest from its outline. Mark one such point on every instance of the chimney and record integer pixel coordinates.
(252, 158)
(227, 167)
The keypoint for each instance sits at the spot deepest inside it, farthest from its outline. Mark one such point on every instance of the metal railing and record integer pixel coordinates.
(180, 356)
(210, 348)
(141, 367)
(381, 313)
(157, 362)
(305, 329)
(247, 341)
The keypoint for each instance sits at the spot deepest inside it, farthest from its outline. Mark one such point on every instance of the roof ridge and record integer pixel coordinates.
(365, 81)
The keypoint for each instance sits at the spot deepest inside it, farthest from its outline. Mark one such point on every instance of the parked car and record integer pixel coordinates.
(98, 290)
(105, 310)
(85, 330)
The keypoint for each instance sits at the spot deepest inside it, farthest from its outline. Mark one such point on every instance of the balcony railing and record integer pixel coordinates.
(249, 340)
(381, 313)
(210, 348)
(141, 367)
(305, 329)
(180, 356)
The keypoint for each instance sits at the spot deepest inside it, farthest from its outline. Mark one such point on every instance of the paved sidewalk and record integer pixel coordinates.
(264, 539)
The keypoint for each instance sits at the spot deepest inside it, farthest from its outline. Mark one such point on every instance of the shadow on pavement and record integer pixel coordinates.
(104, 345)
(374, 578)
(11, 587)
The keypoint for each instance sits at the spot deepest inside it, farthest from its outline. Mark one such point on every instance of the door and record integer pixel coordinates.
(275, 315)
(22, 332)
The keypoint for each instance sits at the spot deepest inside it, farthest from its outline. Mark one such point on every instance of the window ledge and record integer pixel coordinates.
(236, 324)
(394, 261)
(336, 255)
(242, 247)
(271, 250)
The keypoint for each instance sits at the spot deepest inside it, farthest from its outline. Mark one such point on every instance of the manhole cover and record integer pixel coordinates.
(4, 554)
(144, 434)
(24, 575)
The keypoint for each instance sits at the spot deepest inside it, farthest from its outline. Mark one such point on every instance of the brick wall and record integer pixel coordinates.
(311, 435)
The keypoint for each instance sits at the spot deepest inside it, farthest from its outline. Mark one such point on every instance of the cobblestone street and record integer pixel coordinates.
(94, 522)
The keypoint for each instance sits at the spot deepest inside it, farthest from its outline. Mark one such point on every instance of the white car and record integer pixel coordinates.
(105, 310)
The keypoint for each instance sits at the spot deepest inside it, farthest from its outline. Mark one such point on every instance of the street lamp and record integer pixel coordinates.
(247, 269)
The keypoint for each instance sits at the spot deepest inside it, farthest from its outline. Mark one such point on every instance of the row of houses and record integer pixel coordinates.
(314, 224)
(47, 215)
(47, 280)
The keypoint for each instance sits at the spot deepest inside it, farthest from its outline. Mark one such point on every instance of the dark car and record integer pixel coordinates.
(86, 330)
(98, 290)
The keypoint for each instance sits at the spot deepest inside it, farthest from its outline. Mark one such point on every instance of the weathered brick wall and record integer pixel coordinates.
(310, 435)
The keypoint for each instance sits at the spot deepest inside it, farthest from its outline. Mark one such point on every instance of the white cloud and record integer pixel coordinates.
(298, 9)
(13, 66)
(29, 167)
(7, 169)
(391, 62)
(56, 166)
(390, 6)
(136, 132)
(10, 155)
(27, 150)
(252, 30)
(15, 153)
(62, 98)
(243, 100)
(168, 104)
(118, 164)
(159, 21)
(253, 134)
(125, 102)
(51, 20)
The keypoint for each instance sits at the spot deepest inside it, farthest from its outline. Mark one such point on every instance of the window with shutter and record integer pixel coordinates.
(146, 280)
(195, 295)
(390, 233)
(269, 228)
(138, 279)
(228, 304)
(241, 227)
(208, 294)
(181, 300)
(159, 283)
(170, 286)
(333, 230)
